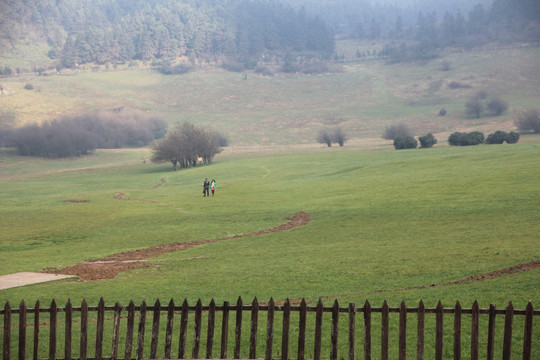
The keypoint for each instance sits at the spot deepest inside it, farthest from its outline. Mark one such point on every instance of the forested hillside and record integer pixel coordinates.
(118, 31)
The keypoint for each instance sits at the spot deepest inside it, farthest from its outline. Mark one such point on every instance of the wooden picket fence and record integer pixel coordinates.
(16, 340)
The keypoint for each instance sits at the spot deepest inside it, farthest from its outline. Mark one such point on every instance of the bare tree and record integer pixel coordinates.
(497, 106)
(474, 107)
(527, 120)
(338, 136)
(325, 137)
(184, 145)
(397, 130)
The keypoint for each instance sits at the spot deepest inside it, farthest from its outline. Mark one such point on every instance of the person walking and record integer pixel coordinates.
(206, 187)
(213, 186)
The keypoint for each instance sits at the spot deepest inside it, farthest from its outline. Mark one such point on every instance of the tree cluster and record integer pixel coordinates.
(528, 120)
(331, 135)
(185, 145)
(80, 135)
(479, 103)
(466, 138)
(499, 137)
(113, 31)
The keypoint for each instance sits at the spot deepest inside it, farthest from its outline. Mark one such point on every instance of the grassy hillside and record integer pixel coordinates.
(363, 98)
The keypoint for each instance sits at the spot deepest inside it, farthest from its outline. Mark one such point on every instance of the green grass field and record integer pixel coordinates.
(384, 223)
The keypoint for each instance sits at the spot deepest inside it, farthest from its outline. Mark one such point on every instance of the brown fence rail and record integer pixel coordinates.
(323, 324)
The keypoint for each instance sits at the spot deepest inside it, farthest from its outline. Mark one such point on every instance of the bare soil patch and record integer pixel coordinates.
(108, 267)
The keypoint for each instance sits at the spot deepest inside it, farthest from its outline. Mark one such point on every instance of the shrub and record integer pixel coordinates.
(427, 141)
(528, 120)
(498, 137)
(442, 112)
(29, 86)
(405, 142)
(512, 138)
(466, 139)
(397, 130)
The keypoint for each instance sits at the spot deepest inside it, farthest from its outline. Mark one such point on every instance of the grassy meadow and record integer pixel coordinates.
(383, 222)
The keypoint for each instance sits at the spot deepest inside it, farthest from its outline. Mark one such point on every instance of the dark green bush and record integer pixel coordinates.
(427, 141)
(512, 138)
(405, 142)
(466, 139)
(498, 137)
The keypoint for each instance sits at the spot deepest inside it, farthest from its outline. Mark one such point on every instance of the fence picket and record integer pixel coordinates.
(335, 332)
(285, 330)
(270, 329)
(254, 325)
(99, 329)
(384, 331)
(84, 330)
(403, 331)
(527, 332)
(351, 330)
(130, 330)
(68, 327)
(169, 329)
(116, 330)
(7, 331)
(367, 330)
(457, 331)
(198, 326)
(420, 331)
(52, 332)
(224, 330)
(22, 330)
(36, 331)
(140, 333)
(210, 329)
(238, 331)
(155, 329)
(507, 342)
(439, 329)
(491, 333)
(474, 330)
(302, 330)
(183, 330)
(318, 330)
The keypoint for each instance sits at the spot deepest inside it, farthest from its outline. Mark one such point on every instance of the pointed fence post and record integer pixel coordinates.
(183, 330)
(367, 330)
(140, 334)
(439, 331)
(99, 329)
(270, 329)
(457, 331)
(475, 317)
(169, 329)
(210, 329)
(285, 330)
(238, 328)
(527, 332)
(84, 330)
(224, 330)
(302, 330)
(508, 323)
(335, 331)
(7, 331)
(130, 329)
(36, 331)
(491, 333)
(351, 330)
(68, 328)
(155, 329)
(116, 330)
(384, 331)
(318, 331)
(52, 332)
(254, 325)
(420, 331)
(198, 326)
(22, 330)
(403, 331)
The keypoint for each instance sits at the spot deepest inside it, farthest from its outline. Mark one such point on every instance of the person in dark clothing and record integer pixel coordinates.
(206, 188)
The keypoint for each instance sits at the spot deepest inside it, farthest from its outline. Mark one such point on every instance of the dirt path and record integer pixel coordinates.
(108, 267)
